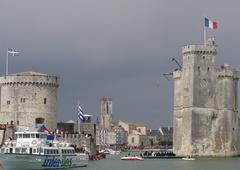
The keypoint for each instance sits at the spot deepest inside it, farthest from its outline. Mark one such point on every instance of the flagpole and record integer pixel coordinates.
(78, 120)
(7, 63)
(204, 35)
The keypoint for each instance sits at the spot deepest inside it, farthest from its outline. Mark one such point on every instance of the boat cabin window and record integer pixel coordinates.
(68, 151)
(42, 136)
(19, 135)
(41, 150)
(34, 150)
(17, 150)
(51, 151)
(26, 135)
(33, 135)
(24, 150)
(46, 151)
(11, 150)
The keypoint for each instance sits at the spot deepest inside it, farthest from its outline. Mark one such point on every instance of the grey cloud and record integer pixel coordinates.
(116, 48)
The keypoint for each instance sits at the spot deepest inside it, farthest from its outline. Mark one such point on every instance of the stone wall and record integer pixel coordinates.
(83, 135)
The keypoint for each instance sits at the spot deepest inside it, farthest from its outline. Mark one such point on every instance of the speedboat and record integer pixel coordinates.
(132, 158)
(110, 151)
(188, 158)
(32, 150)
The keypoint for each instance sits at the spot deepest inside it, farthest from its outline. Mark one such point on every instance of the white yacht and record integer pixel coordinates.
(32, 150)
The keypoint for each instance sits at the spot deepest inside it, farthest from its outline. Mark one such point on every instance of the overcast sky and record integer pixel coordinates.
(116, 48)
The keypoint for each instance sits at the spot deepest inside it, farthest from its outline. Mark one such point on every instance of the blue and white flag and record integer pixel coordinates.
(13, 52)
(80, 113)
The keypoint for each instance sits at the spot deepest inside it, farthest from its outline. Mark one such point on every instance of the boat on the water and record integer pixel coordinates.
(32, 150)
(160, 155)
(188, 158)
(110, 151)
(132, 158)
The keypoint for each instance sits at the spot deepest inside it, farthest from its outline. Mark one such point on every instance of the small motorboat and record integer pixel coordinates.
(188, 158)
(110, 151)
(132, 158)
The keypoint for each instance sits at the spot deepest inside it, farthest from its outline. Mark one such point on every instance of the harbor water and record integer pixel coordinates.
(114, 163)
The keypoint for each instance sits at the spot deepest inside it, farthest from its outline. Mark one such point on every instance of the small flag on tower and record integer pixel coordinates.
(210, 24)
(13, 52)
(80, 113)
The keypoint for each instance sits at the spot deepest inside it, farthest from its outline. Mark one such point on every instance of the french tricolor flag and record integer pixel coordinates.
(210, 24)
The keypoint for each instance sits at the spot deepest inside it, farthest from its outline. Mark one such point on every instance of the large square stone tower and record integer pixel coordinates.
(205, 116)
(106, 112)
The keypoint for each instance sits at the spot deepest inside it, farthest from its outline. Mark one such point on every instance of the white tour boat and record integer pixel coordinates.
(32, 150)
(132, 158)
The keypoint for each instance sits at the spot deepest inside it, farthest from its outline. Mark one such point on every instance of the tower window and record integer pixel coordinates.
(208, 69)
(45, 101)
(39, 122)
(132, 140)
(8, 102)
(204, 57)
(18, 122)
(198, 67)
(23, 100)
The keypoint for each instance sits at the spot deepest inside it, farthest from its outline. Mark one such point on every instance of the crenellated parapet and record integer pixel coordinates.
(177, 74)
(29, 79)
(29, 84)
(227, 71)
(200, 49)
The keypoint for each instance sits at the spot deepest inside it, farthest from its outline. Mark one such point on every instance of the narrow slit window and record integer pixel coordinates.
(45, 101)
(23, 100)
